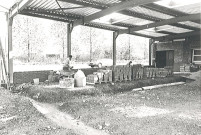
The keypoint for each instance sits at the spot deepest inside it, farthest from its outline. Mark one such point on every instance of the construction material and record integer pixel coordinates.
(137, 72)
(107, 75)
(157, 86)
(80, 79)
(4, 66)
(66, 83)
(185, 68)
(36, 81)
(92, 79)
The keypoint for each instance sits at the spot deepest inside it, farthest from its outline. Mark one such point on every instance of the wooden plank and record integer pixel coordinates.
(4, 65)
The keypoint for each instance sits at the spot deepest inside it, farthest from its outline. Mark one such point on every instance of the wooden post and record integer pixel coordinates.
(151, 41)
(10, 49)
(115, 35)
(69, 31)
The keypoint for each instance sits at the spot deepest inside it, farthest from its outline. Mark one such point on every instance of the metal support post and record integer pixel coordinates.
(115, 35)
(69, 31)
(151, 41)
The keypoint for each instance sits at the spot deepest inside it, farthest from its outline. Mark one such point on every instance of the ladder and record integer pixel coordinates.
(3, 66)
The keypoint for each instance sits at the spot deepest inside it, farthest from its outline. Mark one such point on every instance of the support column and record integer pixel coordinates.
(151, 41)
(10, 49)
(69, 31)
(115, 35)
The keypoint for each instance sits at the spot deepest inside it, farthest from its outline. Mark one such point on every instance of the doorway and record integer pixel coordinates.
(164, 58)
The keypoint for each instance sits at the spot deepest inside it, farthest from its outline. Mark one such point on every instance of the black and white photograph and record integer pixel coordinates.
(100, 67)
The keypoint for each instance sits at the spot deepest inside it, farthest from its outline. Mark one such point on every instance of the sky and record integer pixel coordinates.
(7, 4)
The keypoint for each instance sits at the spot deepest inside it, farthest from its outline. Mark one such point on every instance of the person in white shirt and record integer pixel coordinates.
(67, 64)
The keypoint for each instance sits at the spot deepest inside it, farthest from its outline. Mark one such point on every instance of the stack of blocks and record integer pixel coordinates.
(154, 71)
(163, 72)
(106, 75)
(187, 68)
(118, 73)
(137, 72)
(99, 75)
(92, 79)
(127, 73)
(146, 72)
(182, 68)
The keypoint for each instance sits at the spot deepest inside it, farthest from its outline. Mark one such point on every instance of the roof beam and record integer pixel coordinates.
(125, 12)
(86, 3)
(162, 9)
(50, 12)
(18, 7)
(66, 8)
(167, 22)
(112, 9)
(165, 10)
(166, 32)
(141, 35)
(177, 36)
(46, 17)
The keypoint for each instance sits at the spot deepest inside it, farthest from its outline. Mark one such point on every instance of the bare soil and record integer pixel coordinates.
(19, 117)
(111, 108)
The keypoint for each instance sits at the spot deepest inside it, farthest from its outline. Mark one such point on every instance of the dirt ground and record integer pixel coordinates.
(19, 117)
(174, 110)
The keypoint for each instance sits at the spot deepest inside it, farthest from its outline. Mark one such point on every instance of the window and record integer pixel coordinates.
(197, 56)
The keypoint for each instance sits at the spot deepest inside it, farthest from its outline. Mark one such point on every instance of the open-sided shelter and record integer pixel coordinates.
(164, 21)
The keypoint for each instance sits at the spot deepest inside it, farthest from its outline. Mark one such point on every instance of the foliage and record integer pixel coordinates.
(34, 38)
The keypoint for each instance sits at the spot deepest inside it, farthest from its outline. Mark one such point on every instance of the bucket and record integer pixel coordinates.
(36, 81)
(80, 82)
(80, 79)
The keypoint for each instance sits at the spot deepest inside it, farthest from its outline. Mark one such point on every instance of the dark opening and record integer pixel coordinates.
(164, 58)
(160, 59)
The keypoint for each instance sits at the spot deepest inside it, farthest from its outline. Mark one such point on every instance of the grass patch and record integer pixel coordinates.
(56, 94)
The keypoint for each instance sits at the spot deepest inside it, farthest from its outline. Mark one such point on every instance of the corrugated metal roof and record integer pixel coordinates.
(133, 17)
(173, 29)
(191, 24)
(137, 21)
(150, 33)
(109, 2)
(43, 4)
(80, 11)
(190, 9)
(149, 12)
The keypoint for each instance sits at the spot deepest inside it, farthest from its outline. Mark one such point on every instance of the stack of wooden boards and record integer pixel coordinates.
(127, 73)
(99, 77)
(185, 68)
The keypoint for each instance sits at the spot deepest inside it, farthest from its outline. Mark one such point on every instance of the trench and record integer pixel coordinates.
(65, 120)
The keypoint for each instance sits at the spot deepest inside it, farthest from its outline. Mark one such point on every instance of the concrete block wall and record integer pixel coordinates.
(28, 76)
(182, 52)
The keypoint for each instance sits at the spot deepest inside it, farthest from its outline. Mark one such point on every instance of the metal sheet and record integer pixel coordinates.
(190, 9)
(150, 33)
(150, 12)
(191, 24)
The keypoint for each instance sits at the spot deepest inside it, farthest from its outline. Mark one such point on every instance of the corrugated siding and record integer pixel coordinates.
(190, 9)
(149, 12)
